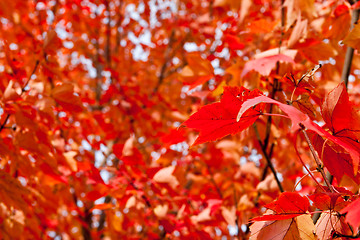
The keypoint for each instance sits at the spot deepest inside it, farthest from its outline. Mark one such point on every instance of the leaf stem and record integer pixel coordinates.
(309, 173)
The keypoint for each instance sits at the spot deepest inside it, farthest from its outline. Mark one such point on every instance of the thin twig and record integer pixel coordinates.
(213, 181)
(166, 61)
(118, 35)
(268, 159)
(307, 169)
(276, 82)
(108, 35)
(317, 160)
(240, 233)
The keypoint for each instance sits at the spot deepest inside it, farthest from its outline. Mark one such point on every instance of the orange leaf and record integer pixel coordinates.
(11, 93)
(329, 223)
(299, 228)
(64, 95)
(165, 175)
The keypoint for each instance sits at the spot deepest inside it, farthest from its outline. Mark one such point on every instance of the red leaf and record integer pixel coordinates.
(338, 162)
(343, 121)
(234, 42)
(355, 6)
(64, 95)
(299, 118)
(353, 213)
(328, 201)
(266, 64)
(127, 153)
(218, 120)
(337, 110)
(289, 205)
(341, 9)
(173, 137)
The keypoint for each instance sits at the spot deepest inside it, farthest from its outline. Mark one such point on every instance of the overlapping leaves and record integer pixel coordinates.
(218, 120)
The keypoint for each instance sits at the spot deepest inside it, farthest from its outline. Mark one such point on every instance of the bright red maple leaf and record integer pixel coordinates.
(343, 121)
(330, 201)
(353, 213)
(218, 120)
(289, 205)
(338, 112)
(299, 119)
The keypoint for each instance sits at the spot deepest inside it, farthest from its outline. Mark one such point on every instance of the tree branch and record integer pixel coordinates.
(166, 62)
(268, 159)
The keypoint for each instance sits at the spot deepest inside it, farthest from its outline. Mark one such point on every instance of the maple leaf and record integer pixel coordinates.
(300, 228)
(262, 26)
(315, 50)
(197, 72)
(336, 160)
(329, 224)
(299, 31)
(64, 95)
(289, 205)
(330, 201)
(353, 213)
(353, 38)
(10, 93)
(300, 119)
(343, 121)
(338, 112)
(218, 120)
(302, 85)
(233, 42)
(165, 175)
(305, 105)
(264, 65)
(337, 24)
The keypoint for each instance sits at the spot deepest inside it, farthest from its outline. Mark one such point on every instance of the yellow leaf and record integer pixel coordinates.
(219, 90)
(71, 161)
(353, 38)
(116, 222)
(235, 71)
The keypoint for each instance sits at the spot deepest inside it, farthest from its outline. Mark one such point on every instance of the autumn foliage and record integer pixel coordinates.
(217, 119)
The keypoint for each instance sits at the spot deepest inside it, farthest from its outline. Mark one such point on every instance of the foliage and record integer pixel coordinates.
(102, 100)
